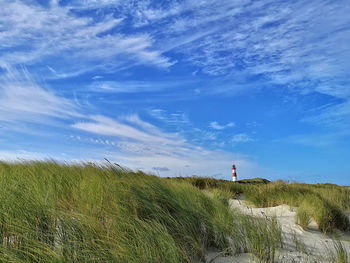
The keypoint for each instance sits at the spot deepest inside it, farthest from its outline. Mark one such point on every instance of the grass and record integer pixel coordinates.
(325, 203)
(262, 237)
(303, 217)
(339, 253)
(235, 188)
(53, 212)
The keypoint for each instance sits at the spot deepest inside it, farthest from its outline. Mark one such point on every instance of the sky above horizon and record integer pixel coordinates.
(179, 88)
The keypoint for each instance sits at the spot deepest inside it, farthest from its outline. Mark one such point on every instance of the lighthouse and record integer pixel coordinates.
(234, 173)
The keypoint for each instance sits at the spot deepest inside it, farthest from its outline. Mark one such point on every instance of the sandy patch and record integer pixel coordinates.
(299, 245)
(214, 257)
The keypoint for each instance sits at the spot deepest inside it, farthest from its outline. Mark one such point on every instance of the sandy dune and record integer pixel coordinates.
(299, 245)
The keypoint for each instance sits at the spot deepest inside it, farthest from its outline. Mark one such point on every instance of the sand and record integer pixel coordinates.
(312, 245)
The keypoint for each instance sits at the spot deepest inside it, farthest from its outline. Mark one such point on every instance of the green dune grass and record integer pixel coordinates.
(325, 203)
(53, 212)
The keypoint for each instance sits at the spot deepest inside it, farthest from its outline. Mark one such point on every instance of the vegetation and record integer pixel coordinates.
(52, 212)
(325, 203)
(235, 188)
(262, 237)
(339, 253)
(304, 219)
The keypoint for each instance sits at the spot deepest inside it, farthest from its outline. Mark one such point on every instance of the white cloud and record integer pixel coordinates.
(241, 137)
(332, 116)
(131, 86)
(139, 144)
(32, 32)
(299, 45)
(21, 98)
(216, 126)
(143, 132)
(199, 164)
(176, 119)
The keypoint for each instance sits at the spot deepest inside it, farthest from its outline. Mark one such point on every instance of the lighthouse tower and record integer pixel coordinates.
(234, 173)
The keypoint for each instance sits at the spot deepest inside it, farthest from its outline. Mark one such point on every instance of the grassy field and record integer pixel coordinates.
(325, 203)
(52, 212)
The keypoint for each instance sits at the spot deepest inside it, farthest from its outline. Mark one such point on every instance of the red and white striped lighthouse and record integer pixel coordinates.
(234, 173)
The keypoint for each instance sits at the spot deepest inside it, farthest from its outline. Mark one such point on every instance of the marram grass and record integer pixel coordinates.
(53, 212)
(325, 203)
(303, 216)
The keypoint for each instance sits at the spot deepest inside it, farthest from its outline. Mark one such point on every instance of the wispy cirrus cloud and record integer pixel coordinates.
(139, 144)
(134, 86)
(299, 45)
(59, 33)
(241, 138)
(145, 133)
(176, 119)
(23, 99)
(336, 115)
(216, 126)
(128, 140)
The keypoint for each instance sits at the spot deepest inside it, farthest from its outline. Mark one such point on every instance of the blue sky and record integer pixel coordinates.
(178, 88)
